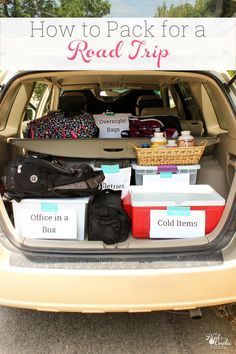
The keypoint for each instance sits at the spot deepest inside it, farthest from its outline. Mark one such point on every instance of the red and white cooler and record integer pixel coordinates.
(182, 212)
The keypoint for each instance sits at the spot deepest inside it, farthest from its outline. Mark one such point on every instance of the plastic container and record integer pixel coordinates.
(186, 140)
(171, 144)
(158, 140)
(195, 198)
(140, 171)
(59, 219)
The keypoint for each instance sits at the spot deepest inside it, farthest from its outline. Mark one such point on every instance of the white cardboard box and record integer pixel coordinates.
(59, 219)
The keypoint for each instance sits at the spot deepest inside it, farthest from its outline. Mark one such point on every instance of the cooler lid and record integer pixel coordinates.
(192, 195)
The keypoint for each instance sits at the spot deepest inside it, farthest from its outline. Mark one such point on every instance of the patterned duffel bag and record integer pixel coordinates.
(61, 125)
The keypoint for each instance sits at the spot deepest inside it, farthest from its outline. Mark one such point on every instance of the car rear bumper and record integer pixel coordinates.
(104, 290)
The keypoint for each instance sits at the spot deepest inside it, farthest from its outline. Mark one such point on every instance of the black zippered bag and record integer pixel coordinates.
(107, 220)
(30, 176)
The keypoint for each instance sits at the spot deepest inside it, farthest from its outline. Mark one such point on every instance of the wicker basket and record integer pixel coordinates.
(169, 156)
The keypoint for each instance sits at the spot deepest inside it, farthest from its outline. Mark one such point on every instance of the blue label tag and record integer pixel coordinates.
(178, 211)
(49, 207)
(110, 168)
(165, 174)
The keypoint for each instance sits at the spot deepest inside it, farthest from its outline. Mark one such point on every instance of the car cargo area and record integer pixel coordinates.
(175, 197)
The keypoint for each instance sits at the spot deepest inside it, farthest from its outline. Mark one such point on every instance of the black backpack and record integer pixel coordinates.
(107, 220)
(31, 176)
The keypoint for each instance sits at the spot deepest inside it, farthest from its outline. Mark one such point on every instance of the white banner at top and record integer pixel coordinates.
(118, 44)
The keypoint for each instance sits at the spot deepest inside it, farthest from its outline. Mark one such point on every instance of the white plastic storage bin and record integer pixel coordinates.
(140, 171)
(59, 219)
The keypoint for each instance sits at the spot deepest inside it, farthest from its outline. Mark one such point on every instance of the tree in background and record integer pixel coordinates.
(84, 8)
(54, 8)
(184, 10)
(27, 8)
(232, 72)
(201, 8)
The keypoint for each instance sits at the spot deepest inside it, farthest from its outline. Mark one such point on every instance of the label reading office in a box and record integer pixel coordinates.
(51, 225)
(177, 223)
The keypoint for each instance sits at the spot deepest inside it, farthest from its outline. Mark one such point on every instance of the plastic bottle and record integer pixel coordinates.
(158, 140)
(171, 144)
(186, 140)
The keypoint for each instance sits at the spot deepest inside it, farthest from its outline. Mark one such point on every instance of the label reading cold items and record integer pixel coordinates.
(177, 223)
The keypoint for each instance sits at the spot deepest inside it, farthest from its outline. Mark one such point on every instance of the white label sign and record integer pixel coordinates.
(164, 224)
(159, 179)
(117, 44)
(118, 181)
(111, 126)
(49, 225)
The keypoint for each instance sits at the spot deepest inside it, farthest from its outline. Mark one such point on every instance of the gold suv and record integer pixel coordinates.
(139, 274)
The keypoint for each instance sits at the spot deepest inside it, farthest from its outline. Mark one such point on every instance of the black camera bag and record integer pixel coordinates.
(107, 220)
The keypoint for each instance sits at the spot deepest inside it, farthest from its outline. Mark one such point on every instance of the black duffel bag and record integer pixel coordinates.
(107, 220)
(30, 176)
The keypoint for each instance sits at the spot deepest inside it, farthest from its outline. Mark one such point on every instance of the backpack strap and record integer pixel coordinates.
(54, 166)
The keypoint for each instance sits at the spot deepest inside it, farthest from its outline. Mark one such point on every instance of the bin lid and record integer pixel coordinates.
(185, 168)
(83, 200)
